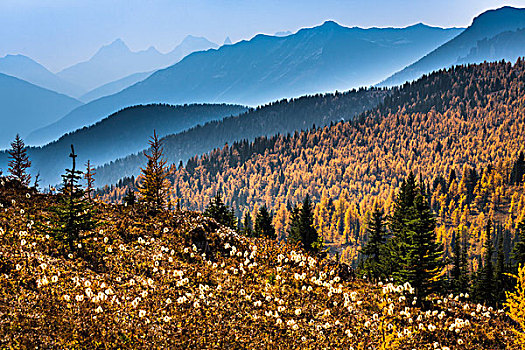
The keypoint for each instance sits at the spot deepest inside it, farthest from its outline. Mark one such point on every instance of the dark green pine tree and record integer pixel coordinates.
(294, 231)
(460, 270)
(456, 272)
(518, 252)
(247, 224)
(485, 286)
(309, 236)
(263, 224)
(403, 213)
(414, 255)
(375, 246)
(74, 213)
(220, 212)
(19, 161)
(423, 264)
(499, 273)
(130, 198)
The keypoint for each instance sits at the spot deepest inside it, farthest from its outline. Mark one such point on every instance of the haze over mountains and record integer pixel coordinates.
(122, 133)
(116, 61)
(25, 106)
(473, 45)
(281, 117)
(324, 58)
(25, 68)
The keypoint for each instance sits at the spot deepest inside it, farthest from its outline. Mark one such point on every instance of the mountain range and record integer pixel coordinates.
(116, 61)
(119, 135)
(25, 68)
(280, 117)
(325, 58)
(465, 47)
(25, 106)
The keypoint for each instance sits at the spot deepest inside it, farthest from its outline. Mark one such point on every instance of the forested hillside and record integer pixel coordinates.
(119, 135)
(179, 280)
(285, 116)
(461, 131)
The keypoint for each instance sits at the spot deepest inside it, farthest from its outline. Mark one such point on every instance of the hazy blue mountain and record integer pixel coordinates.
(114, 87)
(227, 41)
(325, 58)
(116, 61)
(487, 25)
(506, 46)
(123, 133)
(23, 67)
(25, 107)
(188, 45)
(284, 117)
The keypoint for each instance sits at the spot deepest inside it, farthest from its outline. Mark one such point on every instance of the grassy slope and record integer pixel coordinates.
(182, 281)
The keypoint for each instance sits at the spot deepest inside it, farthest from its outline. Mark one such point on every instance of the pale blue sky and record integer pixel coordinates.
(58, 33)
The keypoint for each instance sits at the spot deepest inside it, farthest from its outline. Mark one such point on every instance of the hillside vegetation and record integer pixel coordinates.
(179, 280)
(460, 130)
(281, 117)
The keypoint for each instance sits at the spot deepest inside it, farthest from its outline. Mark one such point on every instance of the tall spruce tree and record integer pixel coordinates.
(19, 161)
(89, 176)
(397, 245)
(220, 212)
(414, 242)
(294, 231)
(74, 214)
(460, 270)
(518, 252)
(154, 185)
(456, 272)
(309, 235)
(374, 248)
(486, 286)
(263, 224)
(500, 277)
(247, 225)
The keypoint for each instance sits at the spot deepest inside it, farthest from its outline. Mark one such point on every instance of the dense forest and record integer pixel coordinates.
(459, 130)
(120, 134)
(279, 117)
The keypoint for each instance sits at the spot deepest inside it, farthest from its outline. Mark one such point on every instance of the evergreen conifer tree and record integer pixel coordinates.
(415, 256)
(89, 176)
(263, 224)
(374, 248)
(247, 224)
(518, 252)
(130, 198)
(220, 212)
(309, 236)
(397, 245)
(499, 273)
(74, 214)
(154, 185)
(19, 161)
(294, 231)
(485, 286)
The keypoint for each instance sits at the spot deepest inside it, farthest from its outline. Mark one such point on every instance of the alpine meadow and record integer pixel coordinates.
(336, 175)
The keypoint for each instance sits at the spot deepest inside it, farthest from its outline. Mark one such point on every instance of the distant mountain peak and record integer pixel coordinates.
(118, 45)
(330, 24)
(227, 41)
(495, 16)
